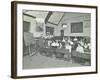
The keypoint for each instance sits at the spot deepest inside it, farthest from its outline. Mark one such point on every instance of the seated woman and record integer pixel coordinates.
(81, 42)
(60, 44)
(80, 48)
(63, 43)
(53, 44)
(75, 43)
(70, 41)
(57, 43)
(49, 43)
(69, 48)
(86, 46)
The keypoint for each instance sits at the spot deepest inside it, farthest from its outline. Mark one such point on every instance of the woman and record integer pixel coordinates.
(80, 48)
(69, 48)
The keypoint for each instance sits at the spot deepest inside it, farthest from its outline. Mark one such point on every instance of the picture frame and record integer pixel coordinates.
(23, 10)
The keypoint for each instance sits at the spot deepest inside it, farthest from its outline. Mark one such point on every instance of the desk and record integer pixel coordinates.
(86, 55)
(81, 57)
(58, 53)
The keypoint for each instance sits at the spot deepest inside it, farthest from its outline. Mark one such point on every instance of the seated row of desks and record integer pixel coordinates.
(54, 51)
(61, 52)
(85, 55)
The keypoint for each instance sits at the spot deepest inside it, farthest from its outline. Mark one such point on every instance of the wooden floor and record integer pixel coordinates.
(40, 61)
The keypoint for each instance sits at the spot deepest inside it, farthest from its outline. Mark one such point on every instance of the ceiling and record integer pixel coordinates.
(37, 14)
(47, 16)
(52, 17)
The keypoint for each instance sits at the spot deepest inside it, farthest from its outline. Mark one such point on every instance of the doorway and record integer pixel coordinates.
(62, 33)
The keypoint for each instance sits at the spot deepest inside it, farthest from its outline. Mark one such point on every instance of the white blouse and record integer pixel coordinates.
(80, 49)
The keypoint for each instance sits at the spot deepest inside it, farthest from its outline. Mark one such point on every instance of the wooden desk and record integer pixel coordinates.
(59, 53)
(81, 57)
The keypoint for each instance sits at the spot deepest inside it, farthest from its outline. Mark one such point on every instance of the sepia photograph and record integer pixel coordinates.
(54, 39)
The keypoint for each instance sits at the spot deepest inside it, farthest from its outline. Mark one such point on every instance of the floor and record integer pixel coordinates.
(40, 61)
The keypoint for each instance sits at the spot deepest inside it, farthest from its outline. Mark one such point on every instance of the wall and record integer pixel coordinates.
(52, 25)
(33, 26)
(67, 31)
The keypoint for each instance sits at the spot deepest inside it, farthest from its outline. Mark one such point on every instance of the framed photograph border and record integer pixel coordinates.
(14, 37)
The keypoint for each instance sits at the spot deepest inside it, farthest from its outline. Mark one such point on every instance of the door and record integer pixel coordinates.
(62, 33)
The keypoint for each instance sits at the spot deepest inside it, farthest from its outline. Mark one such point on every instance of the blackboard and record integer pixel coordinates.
(77, 27)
